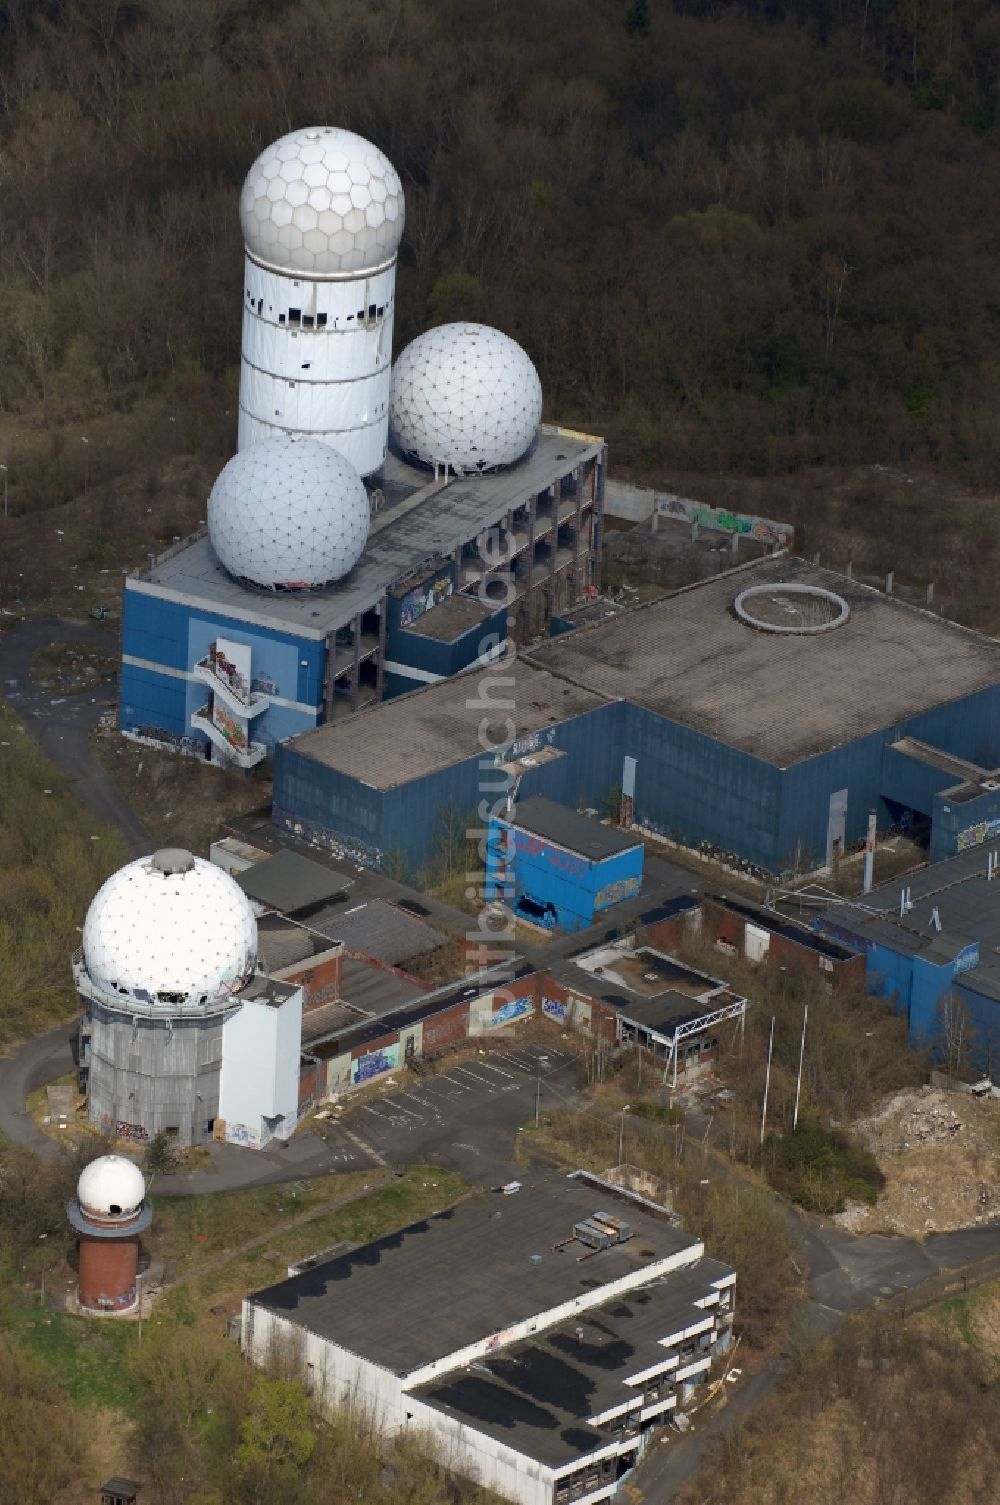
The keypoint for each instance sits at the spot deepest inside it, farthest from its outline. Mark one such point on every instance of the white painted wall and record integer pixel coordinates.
(633, 503)
(260, 1069)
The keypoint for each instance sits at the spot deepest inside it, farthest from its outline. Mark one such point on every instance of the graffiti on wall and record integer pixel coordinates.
(553, 1008)
(529, 845)
(233, 731)
(374, 1062)
(761, 529)
(134, 1133)
(513, 1008)
(614, 893)
(423, 598)
(975, 836)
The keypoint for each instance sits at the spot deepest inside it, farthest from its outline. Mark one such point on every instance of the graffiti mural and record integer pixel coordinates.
(233, 731)
(761, 529)
(975, 836)
(423, 598)
(134, 1133)
(514, 1008)
(553, 1008)
(374, 1062)
(614, 893)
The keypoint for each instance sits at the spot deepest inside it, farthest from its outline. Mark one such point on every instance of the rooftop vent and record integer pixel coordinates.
(599, 1231)
(791, 608)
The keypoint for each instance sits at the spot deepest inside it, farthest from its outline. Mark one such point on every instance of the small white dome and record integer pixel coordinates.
(322, 200)
(110, 1186)
(170, 930)
(289, 514)
(464, 395)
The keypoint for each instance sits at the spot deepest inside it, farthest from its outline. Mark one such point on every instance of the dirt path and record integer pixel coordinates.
(273, 1233)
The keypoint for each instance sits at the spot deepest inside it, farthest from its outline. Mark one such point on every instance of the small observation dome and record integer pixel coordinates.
(111, 1187)
(464, 395)
(324, 201)
(170, 931)
(288, 514)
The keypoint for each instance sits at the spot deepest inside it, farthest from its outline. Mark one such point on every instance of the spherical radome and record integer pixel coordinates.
(170, 930)
(322, 200)
(289, 514)
(465, 395)
(110, 1186)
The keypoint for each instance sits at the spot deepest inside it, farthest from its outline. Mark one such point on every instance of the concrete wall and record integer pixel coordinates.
(259, 1095)
(146, 1077)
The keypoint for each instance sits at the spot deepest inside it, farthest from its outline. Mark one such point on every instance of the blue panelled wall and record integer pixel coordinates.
(162, 640)
(553, 886)
(689, 787)
(428, 659)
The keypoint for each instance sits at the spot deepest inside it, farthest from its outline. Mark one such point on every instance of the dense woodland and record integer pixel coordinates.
(736, 237)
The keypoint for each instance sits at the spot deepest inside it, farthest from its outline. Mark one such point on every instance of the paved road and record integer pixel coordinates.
(62, 724)
(31, 1066)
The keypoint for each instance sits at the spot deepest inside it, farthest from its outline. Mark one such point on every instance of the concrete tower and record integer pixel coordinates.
(169, 952)
(322, 216)
(109, 1212)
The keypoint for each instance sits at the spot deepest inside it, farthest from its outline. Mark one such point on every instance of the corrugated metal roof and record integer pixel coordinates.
(379, 929)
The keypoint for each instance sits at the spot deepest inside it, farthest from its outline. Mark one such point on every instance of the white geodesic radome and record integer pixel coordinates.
(288, 514)
(110, 1186)
(324, 201)
(464, 395)
(170, 930)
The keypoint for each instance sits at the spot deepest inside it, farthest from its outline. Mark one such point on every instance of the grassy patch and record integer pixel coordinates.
(656, 1113)
(85, 1354)
(420, 1191)
(820, 1168)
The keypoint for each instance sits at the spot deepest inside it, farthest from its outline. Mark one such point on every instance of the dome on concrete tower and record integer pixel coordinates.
(289, 514)
(323, 201)
(110, 1186)
(171, 931)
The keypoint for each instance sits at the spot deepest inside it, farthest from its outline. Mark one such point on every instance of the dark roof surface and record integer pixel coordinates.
(455, 615)
(779, 697)
(568, 828)
(539, 1395)
(471, 1268)
(967, 904)
(379, 929)
(288, 882)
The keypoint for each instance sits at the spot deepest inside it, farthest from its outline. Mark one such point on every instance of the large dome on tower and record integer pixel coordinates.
(288, 514)
(171, 930)
(464, 395)
(323, 201)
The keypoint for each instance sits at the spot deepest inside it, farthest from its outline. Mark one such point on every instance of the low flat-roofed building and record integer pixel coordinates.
(758, 717)
(540, 1337)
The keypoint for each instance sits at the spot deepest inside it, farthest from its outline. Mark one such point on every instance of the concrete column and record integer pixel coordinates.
(380, 661)
(356, 664)
(532, 513)
(331, 654)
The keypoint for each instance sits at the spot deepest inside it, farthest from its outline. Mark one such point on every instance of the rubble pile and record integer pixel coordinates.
(938, 1152)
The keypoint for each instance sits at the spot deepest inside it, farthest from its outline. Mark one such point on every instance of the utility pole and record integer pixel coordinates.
(767, 1082)
(798, 1084)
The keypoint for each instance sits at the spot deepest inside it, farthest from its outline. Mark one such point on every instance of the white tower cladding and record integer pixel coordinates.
(322, 216)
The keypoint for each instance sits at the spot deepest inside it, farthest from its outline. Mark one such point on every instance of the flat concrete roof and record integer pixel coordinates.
(467, 1273)
(411, 531)
(451, 618)
(416, 734)
(782, 697)
(568, 828)
(379, 929)
(287, 881)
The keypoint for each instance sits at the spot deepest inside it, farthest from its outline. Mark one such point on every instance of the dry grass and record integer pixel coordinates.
(182, 801)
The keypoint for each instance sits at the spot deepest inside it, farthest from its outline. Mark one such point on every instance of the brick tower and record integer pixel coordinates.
(109, 1213)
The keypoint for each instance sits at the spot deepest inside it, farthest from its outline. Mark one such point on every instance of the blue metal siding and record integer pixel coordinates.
(911, 782)
(562, 889)
(325, 806)
(177, 636)
(973, 823)
(446, 659)
(693, 789)
(157, 702)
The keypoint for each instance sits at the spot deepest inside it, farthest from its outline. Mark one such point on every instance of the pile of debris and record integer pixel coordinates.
(937, 1150)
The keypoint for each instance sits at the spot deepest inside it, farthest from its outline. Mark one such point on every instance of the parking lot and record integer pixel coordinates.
(465, 1115)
